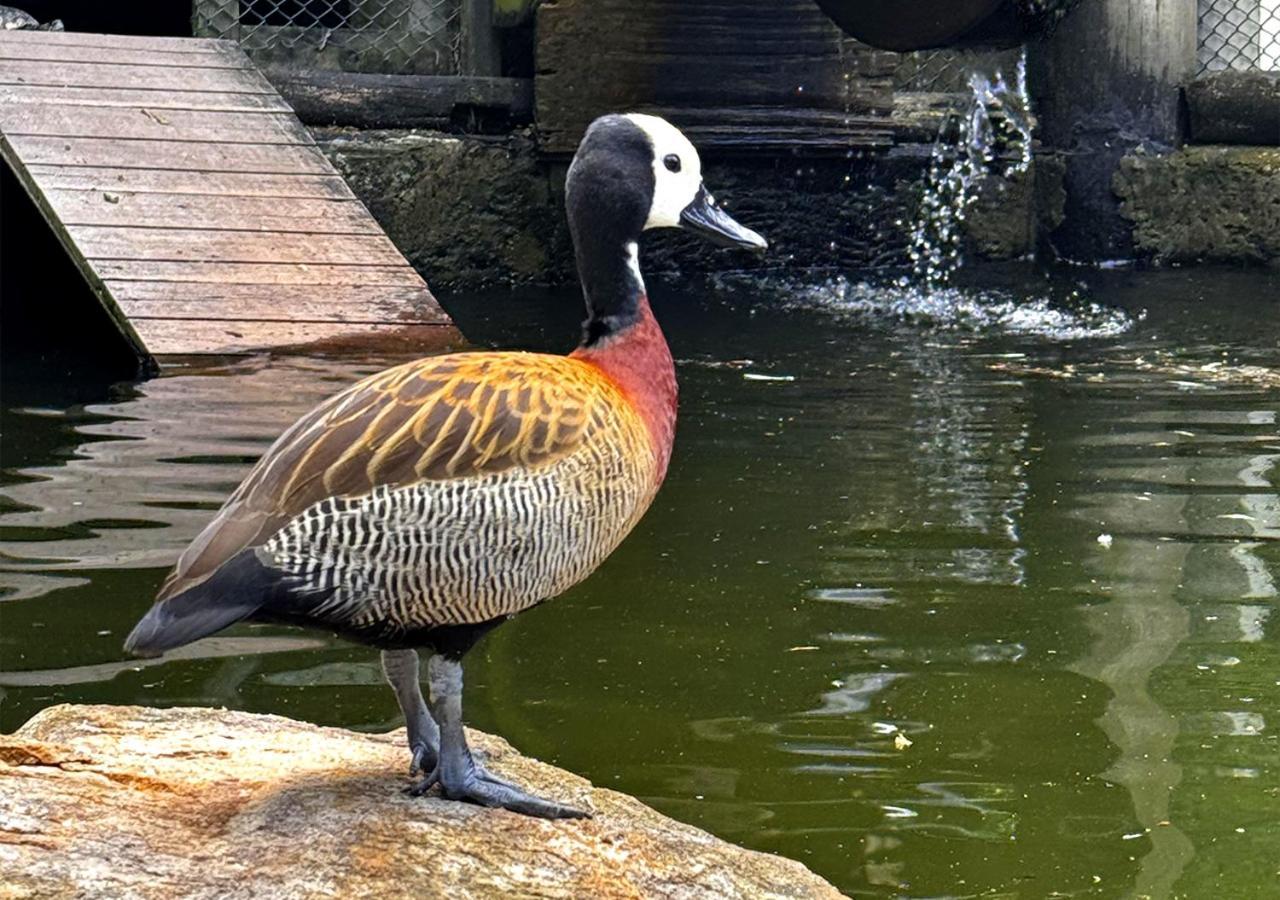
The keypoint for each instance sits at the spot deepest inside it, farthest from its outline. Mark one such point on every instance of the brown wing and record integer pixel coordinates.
(434, 419)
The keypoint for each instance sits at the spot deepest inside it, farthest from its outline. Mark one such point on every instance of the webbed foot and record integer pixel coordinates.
(458, 774)
(477, 785)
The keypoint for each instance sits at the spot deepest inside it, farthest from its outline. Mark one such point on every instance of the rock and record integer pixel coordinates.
(105, 801)
(1001, 223)
(1204, 204)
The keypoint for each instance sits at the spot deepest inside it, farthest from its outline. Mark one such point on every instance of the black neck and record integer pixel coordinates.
(608, 194)
(611, 285)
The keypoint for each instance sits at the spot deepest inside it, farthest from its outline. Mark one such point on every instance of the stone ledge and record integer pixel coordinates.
(1204, 204)
(104, 801)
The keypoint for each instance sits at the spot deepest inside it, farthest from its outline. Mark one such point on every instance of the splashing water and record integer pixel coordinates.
(1068, 318)
(957, 169)
(991, 137)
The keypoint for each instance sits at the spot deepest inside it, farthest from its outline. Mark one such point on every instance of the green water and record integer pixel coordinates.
(894, 530)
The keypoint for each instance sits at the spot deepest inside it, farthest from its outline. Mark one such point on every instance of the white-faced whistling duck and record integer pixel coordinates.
(426, 504)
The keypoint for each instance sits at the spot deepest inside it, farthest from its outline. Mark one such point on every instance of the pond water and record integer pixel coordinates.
(1043, 547)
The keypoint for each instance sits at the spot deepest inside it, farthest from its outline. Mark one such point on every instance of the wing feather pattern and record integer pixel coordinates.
(434, 419)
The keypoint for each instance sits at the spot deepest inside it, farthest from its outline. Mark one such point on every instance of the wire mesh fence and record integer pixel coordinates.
(409, 37)
(949, 71)
(1243, 35)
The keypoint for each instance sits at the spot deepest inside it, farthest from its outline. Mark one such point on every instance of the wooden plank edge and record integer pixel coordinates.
(398, 101)
(210, 186)
(312, 339)
(224, 273)
(103, 41)
(208, 61)
(146, 360)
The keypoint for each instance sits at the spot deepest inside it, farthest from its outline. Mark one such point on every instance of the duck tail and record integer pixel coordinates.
(234, 592)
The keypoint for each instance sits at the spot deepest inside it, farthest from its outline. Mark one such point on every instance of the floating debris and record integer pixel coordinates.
(901, 741)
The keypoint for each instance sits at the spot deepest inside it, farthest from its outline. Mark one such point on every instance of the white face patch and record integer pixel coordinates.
(672, 191)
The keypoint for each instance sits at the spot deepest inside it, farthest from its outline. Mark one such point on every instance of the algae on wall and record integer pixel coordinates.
(464, 211)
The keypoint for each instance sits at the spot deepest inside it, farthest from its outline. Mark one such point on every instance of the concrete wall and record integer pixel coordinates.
(469, 211)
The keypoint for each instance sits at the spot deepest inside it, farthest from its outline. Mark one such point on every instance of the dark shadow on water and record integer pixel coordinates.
(57, 344)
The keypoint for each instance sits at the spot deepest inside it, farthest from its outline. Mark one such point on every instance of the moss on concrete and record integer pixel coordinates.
(464, 211)
(1204, 204)
(1001, 223)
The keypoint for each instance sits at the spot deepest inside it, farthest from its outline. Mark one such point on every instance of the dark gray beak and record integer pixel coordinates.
(705, 217)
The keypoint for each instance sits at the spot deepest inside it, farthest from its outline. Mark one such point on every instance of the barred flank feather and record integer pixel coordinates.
(450, 491)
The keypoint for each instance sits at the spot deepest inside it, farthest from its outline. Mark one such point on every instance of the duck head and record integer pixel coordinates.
(631, 173)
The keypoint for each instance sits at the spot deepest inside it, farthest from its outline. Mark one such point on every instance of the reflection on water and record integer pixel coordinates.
(1047, 558)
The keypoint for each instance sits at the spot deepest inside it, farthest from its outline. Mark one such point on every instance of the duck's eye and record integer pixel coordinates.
(672, 162)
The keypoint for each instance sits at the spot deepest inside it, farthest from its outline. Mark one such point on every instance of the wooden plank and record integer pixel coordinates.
(254, 273)
(212, 211)
(222, 56)
(597, 56)
(99, 242)
(315, 303)
(1235, 108)
(155, 99)
(180, 155)
(753, 129)
(145, 123)
(240, 184)
(365, 311)
(398, 101)
(366, 308)
(176, 336)
(23, 71)
(197, 207)
(109, 41)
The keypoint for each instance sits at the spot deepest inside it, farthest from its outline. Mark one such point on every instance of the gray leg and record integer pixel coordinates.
(457, 773)
(401, 669)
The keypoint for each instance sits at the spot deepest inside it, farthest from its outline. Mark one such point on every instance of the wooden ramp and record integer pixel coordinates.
(196, 205)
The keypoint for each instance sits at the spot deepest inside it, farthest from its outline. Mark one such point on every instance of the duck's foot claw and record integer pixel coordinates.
(421, 788)
(425, 757)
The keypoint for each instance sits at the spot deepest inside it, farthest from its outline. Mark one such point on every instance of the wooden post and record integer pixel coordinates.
(1105, 83)
(480, 52)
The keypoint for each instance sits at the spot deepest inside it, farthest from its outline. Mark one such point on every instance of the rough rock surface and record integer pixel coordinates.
(1204, 204)
(129, 802)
